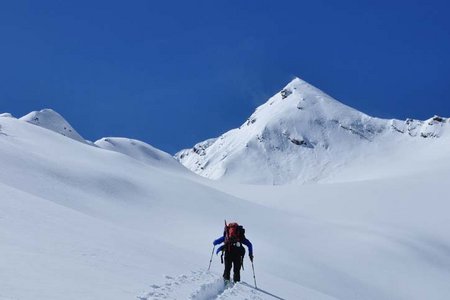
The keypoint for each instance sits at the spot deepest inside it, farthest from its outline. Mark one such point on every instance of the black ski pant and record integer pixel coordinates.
(233, 259)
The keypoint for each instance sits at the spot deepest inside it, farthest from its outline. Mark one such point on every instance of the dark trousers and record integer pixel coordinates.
(232, 260)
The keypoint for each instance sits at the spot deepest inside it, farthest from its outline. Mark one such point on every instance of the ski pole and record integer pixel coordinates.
(254, 278)
(210, 260)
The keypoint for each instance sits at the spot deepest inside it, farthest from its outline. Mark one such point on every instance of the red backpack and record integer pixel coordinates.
(234, 236)
(234, 233)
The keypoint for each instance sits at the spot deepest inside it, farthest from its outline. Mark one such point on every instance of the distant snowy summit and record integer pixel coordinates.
(300, 134)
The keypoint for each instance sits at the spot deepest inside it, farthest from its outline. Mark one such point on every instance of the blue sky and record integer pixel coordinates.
(173, 73)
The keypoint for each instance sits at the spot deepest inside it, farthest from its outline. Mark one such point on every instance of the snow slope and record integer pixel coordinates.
(81, 222)
(301, 135)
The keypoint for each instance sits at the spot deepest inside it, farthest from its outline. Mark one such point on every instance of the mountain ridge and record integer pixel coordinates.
(301, 134)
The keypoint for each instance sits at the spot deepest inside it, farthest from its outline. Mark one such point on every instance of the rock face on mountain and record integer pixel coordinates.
(300, 134)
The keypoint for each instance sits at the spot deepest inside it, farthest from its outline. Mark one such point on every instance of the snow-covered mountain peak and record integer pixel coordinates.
(301, 87)
(51, 120)
(299, 101)
(299, 134)
(296, 83)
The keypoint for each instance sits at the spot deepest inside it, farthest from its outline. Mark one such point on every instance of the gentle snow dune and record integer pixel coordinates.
(81, 222)
(142, 152)
(302, 135)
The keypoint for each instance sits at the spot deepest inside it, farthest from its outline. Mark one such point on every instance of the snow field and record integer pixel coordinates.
(81, 222)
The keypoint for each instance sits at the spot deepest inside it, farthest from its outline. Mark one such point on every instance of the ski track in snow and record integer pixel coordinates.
(200, 286)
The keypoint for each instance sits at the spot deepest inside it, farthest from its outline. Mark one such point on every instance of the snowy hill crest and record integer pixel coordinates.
(142, 152)
(50, 119)
(299, 134)
(53, 121)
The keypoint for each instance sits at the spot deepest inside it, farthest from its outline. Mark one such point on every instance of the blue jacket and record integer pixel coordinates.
(246, 242)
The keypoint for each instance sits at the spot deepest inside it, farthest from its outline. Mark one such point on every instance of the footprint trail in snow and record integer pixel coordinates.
(200, 286)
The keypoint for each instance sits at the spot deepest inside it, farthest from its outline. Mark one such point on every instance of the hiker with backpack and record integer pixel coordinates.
(233, 239)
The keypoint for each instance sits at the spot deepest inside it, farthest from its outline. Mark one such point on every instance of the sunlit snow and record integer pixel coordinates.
(120, 219)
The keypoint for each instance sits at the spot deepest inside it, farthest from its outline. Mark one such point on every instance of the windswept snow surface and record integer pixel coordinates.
(302, 135)
(81, 222)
